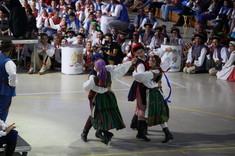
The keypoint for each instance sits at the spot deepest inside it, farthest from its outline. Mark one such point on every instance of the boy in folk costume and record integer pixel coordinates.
(196, 58)
(219, 55)
(105, 114)
(137, 91)
(157, 111)
(7, 78)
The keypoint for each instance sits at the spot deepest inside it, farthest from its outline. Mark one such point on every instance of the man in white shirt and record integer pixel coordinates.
(219, 55)
(7, 77)
(122, 20)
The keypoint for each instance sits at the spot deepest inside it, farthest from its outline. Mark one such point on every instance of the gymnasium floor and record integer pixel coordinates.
(51, 110)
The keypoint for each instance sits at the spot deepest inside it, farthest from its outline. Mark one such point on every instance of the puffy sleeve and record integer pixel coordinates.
(119, 70)
(146, 76)
(11, 70)
(89, 84)
(3, 126)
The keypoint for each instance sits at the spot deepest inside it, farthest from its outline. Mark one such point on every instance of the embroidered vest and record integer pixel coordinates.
(5, 89)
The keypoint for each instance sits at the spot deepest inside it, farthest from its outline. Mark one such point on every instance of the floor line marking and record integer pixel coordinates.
(178, 84)
(123, 83)
(193, 110)
(163, 151)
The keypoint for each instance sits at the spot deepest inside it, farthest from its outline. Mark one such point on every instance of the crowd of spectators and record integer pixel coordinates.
(77, 23)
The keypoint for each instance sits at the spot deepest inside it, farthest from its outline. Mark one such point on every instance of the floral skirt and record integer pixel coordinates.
(157, 109)
(105, 112)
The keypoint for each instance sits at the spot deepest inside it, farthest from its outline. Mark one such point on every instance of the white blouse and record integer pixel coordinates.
(116, 71)
(3, 127)
(146, 78)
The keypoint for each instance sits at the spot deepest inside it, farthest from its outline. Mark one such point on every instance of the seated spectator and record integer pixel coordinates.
(4, 27)
(99, 6)
(87, 54)
(34, 9)
(110, 8)
(63, 26)
(139, 19)
(71, 38)
(137, 4)
(212, 33)
(129, 48)
(150, 19)
(121, 16)
(42, 55)
(88, 22)
(64, 42)
(222, 18)
(74, 23)
(175, 37)
(121, 40)
(8, 137)
(219, 55)
(114, 33)
(171, 5)
(53, 25)
(80, 40)
(42, 20)
(98, 41)
(211, 13)
(56, 59)
(93, 31)
(111, 51)
(153, 4)
(147, 35)
(196, 58)
(228, 70)
(31, 23)
(80, 15)
(157, 39)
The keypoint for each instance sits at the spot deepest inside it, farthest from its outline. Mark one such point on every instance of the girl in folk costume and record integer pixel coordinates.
(79, 13)
(157, 111)
(87, 54)
(63, 25)
(41, 20)
(228, 70)
(129, 48)
(105, 112)
(137, 91)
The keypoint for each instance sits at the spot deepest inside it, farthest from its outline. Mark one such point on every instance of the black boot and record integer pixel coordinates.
(10, 149)
(168, 135)
(98, 134)
(107, 137)
(134, 122)
(85, 133)
(141, 131)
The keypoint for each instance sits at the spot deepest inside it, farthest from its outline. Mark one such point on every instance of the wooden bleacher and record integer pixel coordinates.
(22, 148)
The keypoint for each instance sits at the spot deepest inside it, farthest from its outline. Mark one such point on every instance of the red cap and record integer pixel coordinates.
(137, 47)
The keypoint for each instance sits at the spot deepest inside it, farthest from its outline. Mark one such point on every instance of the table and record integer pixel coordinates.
(21, 41)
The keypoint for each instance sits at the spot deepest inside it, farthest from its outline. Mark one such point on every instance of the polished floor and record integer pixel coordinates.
(50, 112)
